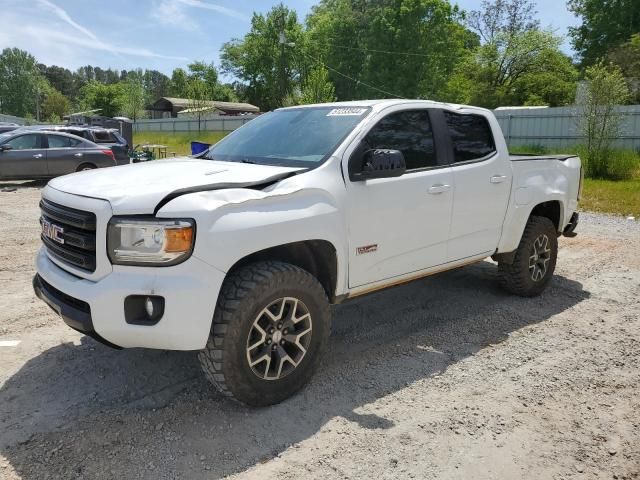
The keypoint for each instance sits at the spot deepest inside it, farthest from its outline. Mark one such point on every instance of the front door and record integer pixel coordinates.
(25, 157)
(400, 225)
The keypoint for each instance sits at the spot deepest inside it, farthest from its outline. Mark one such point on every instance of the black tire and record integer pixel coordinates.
(243, 298)
(86, 166)
(519, 277)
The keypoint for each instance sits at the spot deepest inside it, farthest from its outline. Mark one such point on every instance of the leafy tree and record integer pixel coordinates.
(406, 48)
(516, 64)
(627, 58)
(199, 102)
(318, 88)
(107, 98)
(19, 82)
(268, 64)
(156, 84)
(179, 83)
(606, 24)
(59, 78)
(134, 96)
(600, 124)
(55, 105)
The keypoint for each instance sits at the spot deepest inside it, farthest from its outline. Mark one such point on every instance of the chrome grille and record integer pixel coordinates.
(76, 242)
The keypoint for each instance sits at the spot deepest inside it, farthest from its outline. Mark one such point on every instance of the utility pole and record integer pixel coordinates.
(283, 41)
(38, 103)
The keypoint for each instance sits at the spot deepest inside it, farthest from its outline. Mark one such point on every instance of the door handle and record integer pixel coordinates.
(438, 188)
(37, 155)
(77, 154)
(498, 178)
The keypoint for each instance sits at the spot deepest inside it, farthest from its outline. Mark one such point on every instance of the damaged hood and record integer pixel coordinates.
(142, 187)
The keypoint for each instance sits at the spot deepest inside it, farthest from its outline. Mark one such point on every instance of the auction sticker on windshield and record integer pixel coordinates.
(337, 112)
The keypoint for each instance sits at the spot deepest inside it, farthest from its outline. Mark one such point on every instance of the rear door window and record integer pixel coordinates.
(471, 136)
(60, 141)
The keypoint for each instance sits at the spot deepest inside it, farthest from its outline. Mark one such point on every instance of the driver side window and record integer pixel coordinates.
(408, 131)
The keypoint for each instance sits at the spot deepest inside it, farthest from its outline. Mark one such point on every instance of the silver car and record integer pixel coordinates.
(35, 154)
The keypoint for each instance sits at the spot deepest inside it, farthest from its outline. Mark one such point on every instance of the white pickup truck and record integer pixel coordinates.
(240, 251)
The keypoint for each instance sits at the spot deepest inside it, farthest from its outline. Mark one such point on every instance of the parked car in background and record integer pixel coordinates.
(105, 137)
(28, 154)
(7, 127)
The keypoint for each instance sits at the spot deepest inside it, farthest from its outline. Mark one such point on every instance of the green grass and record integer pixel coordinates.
(610, 196)
(180, 143)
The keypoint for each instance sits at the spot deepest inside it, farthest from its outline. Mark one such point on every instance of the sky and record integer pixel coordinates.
(159, 34)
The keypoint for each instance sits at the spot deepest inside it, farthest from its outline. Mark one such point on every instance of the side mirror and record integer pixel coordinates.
(4, 148)
(378, 163)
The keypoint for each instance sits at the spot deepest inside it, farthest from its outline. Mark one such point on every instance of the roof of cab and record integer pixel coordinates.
(379, 104)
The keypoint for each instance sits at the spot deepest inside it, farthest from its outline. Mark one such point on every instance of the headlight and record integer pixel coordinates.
(151, 242)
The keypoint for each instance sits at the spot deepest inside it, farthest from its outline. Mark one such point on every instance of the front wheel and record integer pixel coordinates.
(535, 259)
(270, 327)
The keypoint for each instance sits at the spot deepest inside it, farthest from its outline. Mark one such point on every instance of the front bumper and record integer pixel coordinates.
(96, 308)
(74, 312)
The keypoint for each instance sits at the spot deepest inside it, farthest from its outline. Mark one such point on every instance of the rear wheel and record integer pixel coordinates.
(535, 259)
(271, 325)
(85, 166)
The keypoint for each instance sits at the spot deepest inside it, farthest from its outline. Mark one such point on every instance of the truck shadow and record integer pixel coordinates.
(98, 402)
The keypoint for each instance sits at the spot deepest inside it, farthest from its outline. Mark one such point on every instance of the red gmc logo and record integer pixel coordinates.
(52, 231)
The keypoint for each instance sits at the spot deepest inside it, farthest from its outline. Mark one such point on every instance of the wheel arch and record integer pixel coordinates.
(318, 257)
(515, 224)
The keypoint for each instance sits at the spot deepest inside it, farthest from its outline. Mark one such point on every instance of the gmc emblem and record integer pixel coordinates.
(52, 231)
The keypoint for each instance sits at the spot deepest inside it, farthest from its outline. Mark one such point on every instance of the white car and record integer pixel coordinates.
(239, 253)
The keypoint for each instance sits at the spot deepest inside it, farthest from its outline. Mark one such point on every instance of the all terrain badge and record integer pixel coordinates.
(366, 249)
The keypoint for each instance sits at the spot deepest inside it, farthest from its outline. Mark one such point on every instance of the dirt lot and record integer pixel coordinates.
(447, 377)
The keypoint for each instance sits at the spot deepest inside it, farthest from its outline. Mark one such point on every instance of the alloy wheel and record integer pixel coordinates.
(279, 338)
(539, 258)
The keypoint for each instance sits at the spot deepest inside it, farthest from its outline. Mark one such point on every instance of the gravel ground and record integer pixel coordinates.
(447, 377)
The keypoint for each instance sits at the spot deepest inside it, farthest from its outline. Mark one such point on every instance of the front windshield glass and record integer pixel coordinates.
(299, 137)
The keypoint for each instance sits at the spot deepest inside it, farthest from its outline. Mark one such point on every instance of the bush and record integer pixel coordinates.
(611, 164)
(533, 149)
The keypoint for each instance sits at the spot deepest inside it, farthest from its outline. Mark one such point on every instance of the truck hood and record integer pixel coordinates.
(141, 188)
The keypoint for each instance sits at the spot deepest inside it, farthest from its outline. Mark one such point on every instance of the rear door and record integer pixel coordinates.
(482, 178)
(64, 153)
(26, 157)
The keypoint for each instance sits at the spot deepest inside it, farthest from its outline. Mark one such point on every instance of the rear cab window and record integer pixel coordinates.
(471, 136)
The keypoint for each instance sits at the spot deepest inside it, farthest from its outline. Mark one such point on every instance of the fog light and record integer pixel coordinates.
(148, 305)
(143, 309)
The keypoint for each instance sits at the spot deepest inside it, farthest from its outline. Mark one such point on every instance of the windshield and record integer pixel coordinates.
(299, 137)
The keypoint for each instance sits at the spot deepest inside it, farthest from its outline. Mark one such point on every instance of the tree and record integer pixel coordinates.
(318, 88)
(134, 96)
(516, 64)
(269, 64)
(627, 58)
(406, 48)
(199, 101)
(605, 26)
(19, 81)
(55, 106)
(600, 124)
(179, 83)
(107, 98)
